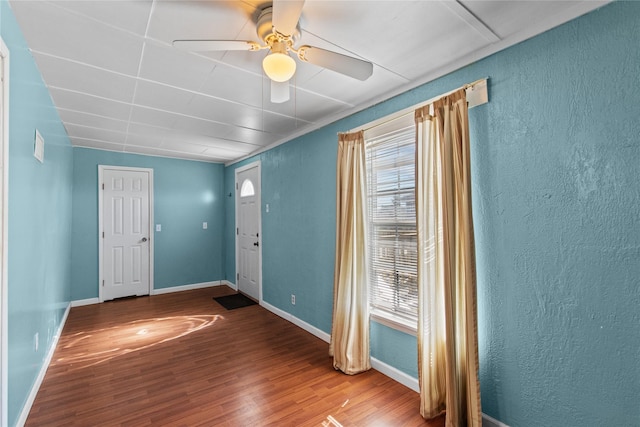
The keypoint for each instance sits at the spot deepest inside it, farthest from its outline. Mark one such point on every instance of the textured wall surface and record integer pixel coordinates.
(186, 194)
(557, 213)
(556, 189)
(39, 210)
(556, 198)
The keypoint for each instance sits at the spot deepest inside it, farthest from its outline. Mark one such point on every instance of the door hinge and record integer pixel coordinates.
(103, 185)
(237, 231)
(237, 276)
(103, 234)
(236, 185)
(103, 283)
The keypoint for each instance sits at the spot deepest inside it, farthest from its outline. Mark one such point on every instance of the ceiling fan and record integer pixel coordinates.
(277, 27)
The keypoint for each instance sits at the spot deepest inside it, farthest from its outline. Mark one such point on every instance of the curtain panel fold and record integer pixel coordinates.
(447, 313)
(349, 344)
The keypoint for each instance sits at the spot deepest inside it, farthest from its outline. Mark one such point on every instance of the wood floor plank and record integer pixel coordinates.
(181, 359)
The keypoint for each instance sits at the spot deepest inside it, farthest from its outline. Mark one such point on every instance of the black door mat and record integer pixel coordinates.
(234, 301)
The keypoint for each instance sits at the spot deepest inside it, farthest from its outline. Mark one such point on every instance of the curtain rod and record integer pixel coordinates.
(410, 110)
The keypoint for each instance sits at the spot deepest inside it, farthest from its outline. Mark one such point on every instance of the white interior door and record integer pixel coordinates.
(248, 231)
(126, 233)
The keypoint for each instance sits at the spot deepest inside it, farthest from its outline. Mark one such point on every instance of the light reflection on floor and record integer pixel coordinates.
(101, 345)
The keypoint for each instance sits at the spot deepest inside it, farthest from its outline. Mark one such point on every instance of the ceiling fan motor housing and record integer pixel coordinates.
(264, 25)
(266, 32)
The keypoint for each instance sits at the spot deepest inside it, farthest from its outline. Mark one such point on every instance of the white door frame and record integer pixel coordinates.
(4, 213)
(252, 165)
(101, 169)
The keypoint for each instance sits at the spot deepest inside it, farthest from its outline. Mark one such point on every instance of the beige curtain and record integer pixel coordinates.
(447, 325)
(350, 329)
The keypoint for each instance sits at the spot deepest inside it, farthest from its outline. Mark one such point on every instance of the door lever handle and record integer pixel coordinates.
(256, 244)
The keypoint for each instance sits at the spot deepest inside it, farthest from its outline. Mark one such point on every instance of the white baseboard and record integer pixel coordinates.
(88, 301)
(488, 421)
(229, 284)
(299, 323)
(385, 369)
(395, 374)
(185, 287)
(43, 370)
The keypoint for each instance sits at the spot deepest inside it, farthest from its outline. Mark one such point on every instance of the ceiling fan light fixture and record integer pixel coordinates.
(278, 65)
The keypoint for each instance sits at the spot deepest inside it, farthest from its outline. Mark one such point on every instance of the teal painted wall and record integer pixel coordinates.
(186, 194)
(556, 198)
(39, 210)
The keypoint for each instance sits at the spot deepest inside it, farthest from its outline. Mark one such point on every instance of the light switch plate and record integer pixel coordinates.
(158, 227)
(204, 225)
(38, 147)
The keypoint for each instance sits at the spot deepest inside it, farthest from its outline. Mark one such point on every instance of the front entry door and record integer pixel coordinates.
(248, 230)
(126, 233)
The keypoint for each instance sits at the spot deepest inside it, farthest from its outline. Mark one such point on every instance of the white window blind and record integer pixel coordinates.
(392, 224)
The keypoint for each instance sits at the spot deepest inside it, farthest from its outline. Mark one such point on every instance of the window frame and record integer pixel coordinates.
(381, 316)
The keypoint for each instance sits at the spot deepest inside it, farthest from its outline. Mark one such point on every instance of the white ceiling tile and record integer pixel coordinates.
(161, 97)
(77, 118)
(175, 154)
(305, 105)
(152, 117)
(225, 112)
(509, 18)
(126, 15)
(190, 20)
(227, 83)
(253, 137)
(62, 33)
(76, 101)
(151, 136)
(276, 123)
(177, 145)
(84, 132)
(143, 140)
(207, 142)
(174, 67)
(202, 127)
(79, 142)
(351, 91)
(74, 76)
(218, 152)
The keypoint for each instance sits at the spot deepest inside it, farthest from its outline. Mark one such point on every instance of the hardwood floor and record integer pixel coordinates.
(181, 359)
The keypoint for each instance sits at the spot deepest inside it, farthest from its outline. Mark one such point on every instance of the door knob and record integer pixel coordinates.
(256, 244)
(144, 239)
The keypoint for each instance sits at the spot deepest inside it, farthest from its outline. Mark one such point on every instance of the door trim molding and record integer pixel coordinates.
(101, 169)
(256, 164)
(4, 219)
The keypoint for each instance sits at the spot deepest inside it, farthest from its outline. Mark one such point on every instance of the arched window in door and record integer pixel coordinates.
(247, 190)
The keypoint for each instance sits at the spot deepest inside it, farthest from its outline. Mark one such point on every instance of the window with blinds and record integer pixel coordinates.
(392, 225)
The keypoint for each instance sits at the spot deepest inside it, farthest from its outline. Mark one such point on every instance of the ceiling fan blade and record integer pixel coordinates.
(279, 92)
(343, 64)
(286, 14)
(214, 45)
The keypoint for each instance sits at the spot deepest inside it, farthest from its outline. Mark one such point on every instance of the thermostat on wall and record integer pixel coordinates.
(38, 148)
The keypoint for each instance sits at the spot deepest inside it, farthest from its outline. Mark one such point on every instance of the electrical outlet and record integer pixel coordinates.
(293, 299)
(36, 339)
